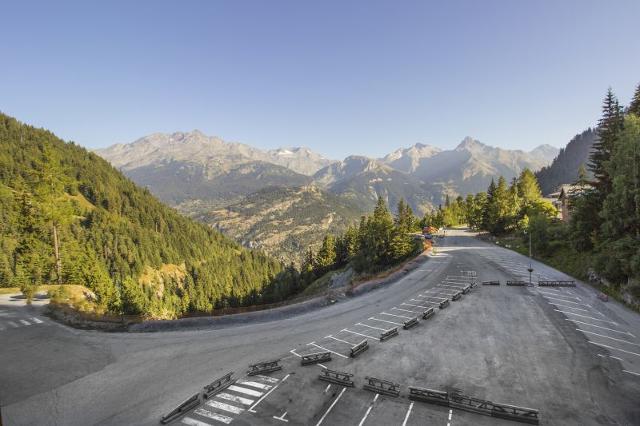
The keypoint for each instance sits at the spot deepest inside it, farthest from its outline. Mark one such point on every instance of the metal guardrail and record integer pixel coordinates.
(461, 401)
(518, 283)
(428, 313)
(382, 386)
(410, 323)
(315, 358)
(217, 385)
(337, 377)
(556, 283)
(264, 367)
(495, 282)
(388, 334)
(456, 296)
(443, 304)
(181, 409)
(359, 348)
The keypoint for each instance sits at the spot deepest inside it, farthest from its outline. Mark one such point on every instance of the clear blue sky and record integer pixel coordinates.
(341, 77)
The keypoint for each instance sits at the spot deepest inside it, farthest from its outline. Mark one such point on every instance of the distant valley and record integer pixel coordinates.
(284, 199)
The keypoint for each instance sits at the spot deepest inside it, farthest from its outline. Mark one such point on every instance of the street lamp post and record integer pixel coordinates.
(530, 267)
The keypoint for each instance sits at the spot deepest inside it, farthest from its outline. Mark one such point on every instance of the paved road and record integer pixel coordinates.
(561, 351)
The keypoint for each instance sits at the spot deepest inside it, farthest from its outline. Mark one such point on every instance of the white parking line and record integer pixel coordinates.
(597, 326)
(224, 406)
(370, 326)
(404, 310)
(568, 307)
(215, 416)
(584, 316)
(451, 286)
(406, 417)
(330, 407)
(193, 422)
(293, 351)
(390, 322)
(339, 340)
(267, 378)
(36, 320)
(560, 297)
(611, 347)
(631, 372)
(607, 337)
(245, 391)
(429, 297)
(255, 385)
(368, 410)
(417, 306)
(251, 409)
(567, 301)
(359, 334)
(235, 398)
(25, 322)
(13, 324)
(326, 350)
(394, 315)
(611, 356)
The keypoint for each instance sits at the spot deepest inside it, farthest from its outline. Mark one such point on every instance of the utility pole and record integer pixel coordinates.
(530, 266)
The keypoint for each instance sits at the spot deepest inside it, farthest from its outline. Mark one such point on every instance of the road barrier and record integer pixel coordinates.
(382, 386)
(429, 395)
(428, 313)
(181, 409)
(556, 283)
(456, 296)
(490, 282)
(264, 367)
(466, 289)
(385, 335)
(443, 304)
(337, 377)
(458, 400)
(359, 348)
(217, 385)
(315, 358)
(410, 323)
(517, 283)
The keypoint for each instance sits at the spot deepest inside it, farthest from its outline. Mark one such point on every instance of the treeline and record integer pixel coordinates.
(502, 209)
(379, 241)
(68, 217)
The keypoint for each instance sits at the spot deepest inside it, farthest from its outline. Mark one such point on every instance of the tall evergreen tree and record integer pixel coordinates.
(634, 106)
(609, 128)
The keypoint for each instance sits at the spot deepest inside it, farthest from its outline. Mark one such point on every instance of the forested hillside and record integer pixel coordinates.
(69, 217)
(565, 166)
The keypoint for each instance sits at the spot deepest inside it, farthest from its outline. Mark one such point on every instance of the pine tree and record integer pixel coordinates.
(634, 106)
(326, 256)
(609, 128)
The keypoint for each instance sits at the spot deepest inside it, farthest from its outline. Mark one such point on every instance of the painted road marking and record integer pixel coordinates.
(584, 316)
(417, 306)
(255, 385)
(36, 320)
(406, 418)
(568, 307)
(234, 398)
(359, 334)
(25, 322)
(224, 406)
(267, 378)
(368, 410)
(245, 391)
(193, 422)
(611, 356)
(597, 326)
(631, 372)
(567, 301)
(394, 315)
(557, 295)
(611, 347)
(339, 340)
(251, 409)
(327, 350)
(451, 286)
(13, 324)
(381, 320)
(607, 337)
(404, 310)
(215, 416)
(370, 326)
(330, 407)
(293, 351)
(282, 418)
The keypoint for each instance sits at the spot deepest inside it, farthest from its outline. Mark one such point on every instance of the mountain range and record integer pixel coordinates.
(203, 175)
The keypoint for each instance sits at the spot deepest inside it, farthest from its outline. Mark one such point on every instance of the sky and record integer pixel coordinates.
(340, 77)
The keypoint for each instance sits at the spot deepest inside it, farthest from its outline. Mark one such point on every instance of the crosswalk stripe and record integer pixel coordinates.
(193, 422)
(25, 322)
(234, 398)
(255, 385)
(246, 391)
(215, 416)
(13, 324)
(224, 406)
(36, 320)
(266, 378)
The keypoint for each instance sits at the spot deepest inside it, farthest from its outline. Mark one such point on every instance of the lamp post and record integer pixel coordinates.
(530, 269)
